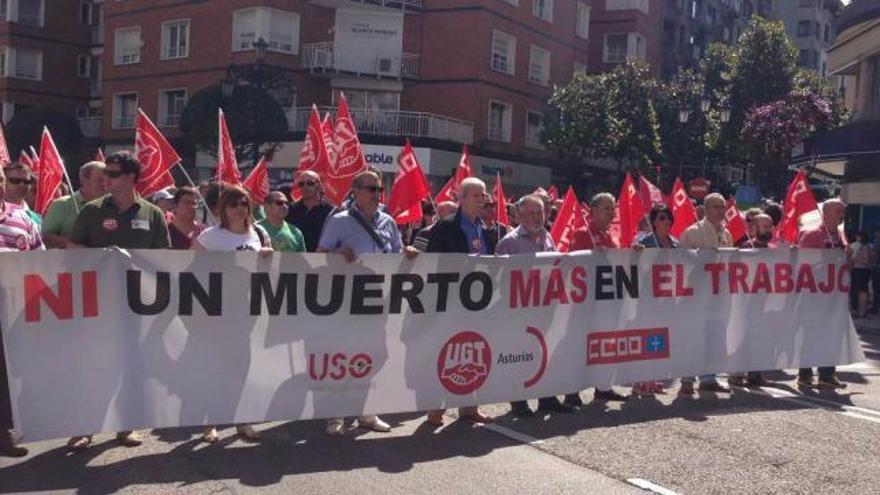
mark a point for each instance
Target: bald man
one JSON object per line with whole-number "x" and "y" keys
{"x": 309, "y": 213}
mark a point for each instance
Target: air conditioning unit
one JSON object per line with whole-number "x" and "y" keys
{"x": 385, "y": 65}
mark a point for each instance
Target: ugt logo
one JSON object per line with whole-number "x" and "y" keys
{"x": 464, "y": 363}
{"x": 339, "y": 365}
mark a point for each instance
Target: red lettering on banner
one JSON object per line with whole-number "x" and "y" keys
{"x": 736, "y": 278}
{"x": 782, "y": 277}
{"x": 762, "y": 279}
{"x": 715, "y": 270}
{"x": 681, "y": 290}
{"x": 524, "y": 292}
{"x": 555, "y": 289}
{"x": 661, "y": 278}
{"x": 36, "y": 291}
{"x": 841, "y": 279}
{"x": 805, "y": 279}
{"x": 829, "y": 284}
{"x": 579, "y": 281}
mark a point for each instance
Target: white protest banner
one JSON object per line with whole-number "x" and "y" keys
{"x": 104, "y": 340}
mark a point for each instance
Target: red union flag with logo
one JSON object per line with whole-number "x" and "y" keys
{"x": 735, "y": 223}
{"x": 500, "y": 202}
{"x": 798, "y": 200}
{"x": 409, "y": 189}
{"x": 51, "y": 168}
{"x": 257, "y": 183}
{"x": 329, "y": 134}
{"x": 313, "y": 155}
{"x": 682, "y": 209}
{"x": 156, "y": 155}
{"x": 650, "y": 194}
{"x": 569, "y": 219}
{"x": 462, "y": 172}
{"x": 5, "y": 158}
{"x": 227, "y": 166}
{"x": 350, "y": 159}
{"x": 631, "y": 211}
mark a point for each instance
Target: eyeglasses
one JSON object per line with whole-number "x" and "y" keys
{"x": 113, "y": 174}
{"x": 280, "y": 203}
{"x": 372, "y": 189}
{"x": 18, "y": 182}
{"x": 307, "y": 183}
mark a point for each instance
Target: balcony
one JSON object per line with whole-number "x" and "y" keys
{"x": 90, "y": 126}
{"x": 394, "y": 123}
{"x": 391, "y": 4}
{"x": 326, "y": 58}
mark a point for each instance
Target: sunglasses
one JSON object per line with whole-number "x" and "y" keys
{"x": 373, "y": 189}
{"x": 18, "y": 182}
{"x": 113, "y": 174}
{"x": 280, "y": 203}
{"x": 307, "y": 183}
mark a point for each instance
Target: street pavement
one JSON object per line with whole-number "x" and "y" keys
{"x": 762, "y": 441}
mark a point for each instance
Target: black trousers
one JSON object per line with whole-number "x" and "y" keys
{"x": 824, "y": 372}
{"x": 5, "y": 402}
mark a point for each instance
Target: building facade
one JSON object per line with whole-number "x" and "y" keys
{"x": 810, "y": 26}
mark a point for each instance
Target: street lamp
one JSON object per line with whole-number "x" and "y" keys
{"x": 725, "y": 115}
{"x": 705, "y": 103}
{"x": 683, "y": 116}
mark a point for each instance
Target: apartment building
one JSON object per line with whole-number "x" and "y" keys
{"x": 809, "y": 24}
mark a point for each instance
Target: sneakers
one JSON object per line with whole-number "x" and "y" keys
{"x": 374, "y": 423}
{"x": 736, "y": 381}
{"x": 574, "y": 400}
{"x": 714, "y": 387}
{"x": 830, "y": 382}
{"x": 758, "y": 380}
{"x": 609, "y": 394}
{"x": 210, "y": 435}
{"x": 805, "y": 382}
{"x": 335, "y": 427}
{"x": 9, "y": 447}
{"x": 129, "y": 438}
{"x": 247, "y": 433}
{"x": 79, "y": 443}
{"x": 521, "y": 409}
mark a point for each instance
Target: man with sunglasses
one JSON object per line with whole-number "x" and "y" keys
{"x": 125, "y": 220}
{"x": 285, "y": 237}
{"x": 309, "y": 213}
{"x": 19, "y": 181}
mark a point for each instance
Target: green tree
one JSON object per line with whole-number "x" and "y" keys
{"x": 684, "y": 144}
{"x": 632, "y": 90}
{"x": 26, "y": 129}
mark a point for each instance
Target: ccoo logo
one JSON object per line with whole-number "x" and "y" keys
{"x": 464, "y": 363}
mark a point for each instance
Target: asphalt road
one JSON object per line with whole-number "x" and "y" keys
{"x": 771, "y": 440}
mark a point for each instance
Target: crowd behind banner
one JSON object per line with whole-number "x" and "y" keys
{"x": 337, "y": 205}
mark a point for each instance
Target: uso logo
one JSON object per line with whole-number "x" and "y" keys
{"x": 627, "y": 345}
{"x": 339, "y": 366}
{"x": 464, "y": 363}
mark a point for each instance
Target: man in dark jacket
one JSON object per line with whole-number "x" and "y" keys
{"x": 463, "y": 233}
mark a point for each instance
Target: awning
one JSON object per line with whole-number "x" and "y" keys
{"x": 829, "y": 151}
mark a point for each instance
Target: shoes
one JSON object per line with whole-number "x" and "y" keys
{"x": 805, "y": 382}
{"x": 642, "y": 389}
{"x": 687, "y": 388}
{"x": 758, "y": 381}
{"x": 552, "y": 405}
{"x": 210, "y": 435}
{"x": 574, "y": 400}
{"x": 79, "y": 443}
{"x": 374, "y": 423}
{"x": 736, "y": 381}
{"x": 336, "y": 427}
{"x": 129, "y": 438}
{"x": 608, "y": 395}
{"x": 9, "y": 447}
{"x": 435, "y": 419}
{"x": 478, "y": 417}
{"x": 714, "y": 387}
{"x": 521, "y": 409}
{"x": 247, "y": 432}
{"x": 830, "y": 382}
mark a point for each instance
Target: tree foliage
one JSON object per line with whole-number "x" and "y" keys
{"x": 26, "y": 129}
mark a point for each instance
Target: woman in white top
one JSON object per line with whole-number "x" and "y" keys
{"x": 236, "y": 232}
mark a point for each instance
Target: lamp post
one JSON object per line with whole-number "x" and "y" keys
{"x": 705, "y": 106}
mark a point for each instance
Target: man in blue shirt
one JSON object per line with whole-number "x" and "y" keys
{"x": 359, "y": 230}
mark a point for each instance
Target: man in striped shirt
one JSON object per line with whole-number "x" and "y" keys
{"x": 17, "y": 233}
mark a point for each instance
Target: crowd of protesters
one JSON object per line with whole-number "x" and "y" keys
{"x": 107, "y": 212}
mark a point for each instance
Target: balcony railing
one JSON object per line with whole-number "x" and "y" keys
{"x": 395, "y": 123}
{"x": 90, "y": 126}
{"x": 327, "y": 58}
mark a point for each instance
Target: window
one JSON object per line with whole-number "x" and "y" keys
{"x": 499, "y": 121}
{"x": 539, "y": 66}
{"x": 175, "y": 39}
{"x": 641, "y": 5}
{"x": 534, "y": 127}
{"x": 809, "y": 59}
{"x": 171, "y": 103}
{"x": 582, "y": 25}
{"x": 30, "y": 12}
{"x": 83, "y": 66}
{"x": 615, "y": 48}
{"x": 803, "y": 29}
{"x": 21, "y": 63}
{"x": 512, "y": 2}
{"x": 695, "y": 6}
{"x": 503, "y": 52}
{"x": 279, "y": 28}
{"x": 543, "y": 9}
{"x": 124, "y": 110}
{"x": 85, "y": 12}
{"x": 127, "y": 46}
{"x": 636, "y": 46}
{"x": 817, "y": 31}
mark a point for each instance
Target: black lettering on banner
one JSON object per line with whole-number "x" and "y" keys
{"x": 442, "y": 280}
{"x": 190, "y": 288}
{"x": 398, "y": 293}
{"x": 261, "y": 287}
{"x": 465, "y": 292}
{"x": 337, "y": 286}
{"x": 135, "y": 302}
{"x": 631, "y": 281}
{"x": 360, "y": 292}
{"x": 604, "y": 282}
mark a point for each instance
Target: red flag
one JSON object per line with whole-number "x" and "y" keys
{"x": 682, "y": 209}
{"x": 462, "y": 172}
{"x": 99, "y": 156}
{"x": 736, "y": 225}
{"x": 798, "y": 200}
{"x": 500, "y": 203}
{"x": 25, "y": 159}
{"x": 227, "y": 166}
{"x": 569, "y": 219}
{"x": 409, "y": 189}
{"x": 156, "y": 155}
{"x": 5, "y": 158}
{"x": 350, "y": 159}
{"x": 329, "y": 134}
{"x": 51, "y": 168}
{"x": 553, "y": 192}
{"x": 650, "y": 194}
{"x": 631, "y": 211}
{"x": 257, "y": 182}
{"x": 313, "y": 155}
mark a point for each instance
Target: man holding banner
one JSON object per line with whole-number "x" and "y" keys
{"x": 62, "y": 212}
